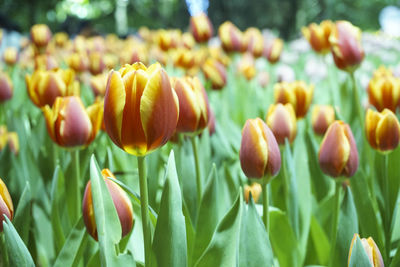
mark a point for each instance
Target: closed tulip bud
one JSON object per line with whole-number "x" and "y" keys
{"x": 273, "y": 49}
{"x": 188, "y": 40}
{"x": 121, "y": 202}
{"x": 6, "y": 87}
{"x": 370, "y": 248}
{"x": 79, "y": 62}
{"x": 61, "y": 39}
{"x": 259, "y": 152}
{"x": 98, "y": 84}
{"x": 193, "y": 103}
{"x": 40, "y": 35}
{"x": 140, "y": 108}
{"x": 69, "y": 124}
{"x": 231, "y": 37}
{"x": 201, "y": 27}
{"x": 254, "y": 41}
{"x": 217, "y": 53}
{"x": 45, "y": 62}
{"x": 382, "y": 130}
{"x": 297, "y": 93}
{"x": 318, "y": 36}
{"x": 45, "y": 86}
{"x": 322, "y": 117}
{"x": 281, "y": 119}
{"x": 215, "y": 72}
{"x": 6, "y": 205}
{"x": 96, "y": 63}
{"x": 346, "y": 48}
{"x": 184, "y": 58}
{"x": 255, "y": 189}
{"x": 384, "y": 92}
{"x": 338, "y": 154}
{"x": 167, "y": 39}
{"x": 247, "y": 67}
{"x": 10, "y": 55}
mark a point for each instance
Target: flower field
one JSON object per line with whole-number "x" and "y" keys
{"x": 210, "y": 147}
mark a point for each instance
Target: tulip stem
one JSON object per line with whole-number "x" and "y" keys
{"x": 74, "y": 186}
{"x": 198, "y": 173}
{"x": 335, "y": 221}
{"x": 265, "y": 205}
{"x": 385, "y": 189}
{"x": 144, "y": 204}
{"x": 357, "y": 100}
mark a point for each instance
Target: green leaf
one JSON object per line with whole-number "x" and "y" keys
{"x": 22, "y": 218}
{"x": 396, "y": 259}
{"x": 359, "y": 257}
{"x": 283, "y": 240}
{"x": 169, "y": 242}
{"x": 18, "y": 254}
{"x": 73, "y": 246}
{"x": 321, "y": 241}
{"x": 59, "y": 237}
{"x": 222, "y": 250}
{"x": 254, "y": 247}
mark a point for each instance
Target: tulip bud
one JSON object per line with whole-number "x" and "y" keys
{"x": 79, "y": 62}
{"x": 98, "y": 84}
{"x": 231, "y": 37}
{"x": 255, "y": 190}
{"x": 254, "y": 41}
{"x": 281, "y": 119}
{"x": 13, "y": 142}
{"x": 384, "y": 92}
{"x": 140, "y": 108}
{"x": 346, "y": 48}
{"x": 184, "y": 58}
{"x": 96, "y": 63}
{"x": 370, "y": 248}
{"x": 259, "y": 152}
{"x": 45, "y": 62}
{"x": 247, "y": 66}
{"x": 318, "y": 35}
{"x": 10, "y": 55}
{"x": 382, "y": 130}
{"x": 338, "y": 153}
{"x": 40, "y": 35}
{"x": 45, "y": 86}
{"x": 61, "y": 39}
{"x": 168, "y": 39}
{"x": 69, "y": 124}
{"x": 6, "y": 205}
{"x": 193, "y": 105}
{"x": 121, "y": 202}
{"x": 6, "y": 87}
{"x": 188, "y": 40}
{"x": 273, "y": 49}
{"x": 215, "y": 72}
{"x": 201, "y": 27}
{"x": 297, "y": 93}
{"x": 321, "y": 117}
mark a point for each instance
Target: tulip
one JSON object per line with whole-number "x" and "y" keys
{"x": 6, "y": 205}
{"x": 217, "y": 53}
{"x": 79, "y": 62}
{"x": 384, "y": 91}
{"x": 40, "y": 35}
{"x": 231, "y": 37}
{"x": 45, "y": 86}
{"x": 184, "y": 58}
{"x": 10, "y": 55}
{"x": 98, "y": 84}
{"x": 318, "y": 36}
{"x": 297, "y": 93}
{"x": 321, "y": 117}
{"x": 201, "y": 27}
{"x": 188, "y": 40}
{"x": 211, "y": 122}
{"x": 140, "y": 108}
{"x": 193, "y": 105}
{"x": 346, "y": 48}
{"x": 13, "y": 142}
{"x": 259, "y": 152}
{"x": 382, "y": 130}
{"x": 45, "y": 62}
{"x": 254, "y": 41}
{"x": 263, "y": 79}
{"x": 281, "y": 119}
{"x": 121, "y": 202}
{"x": 96, "y": 63}
{"x": 6, "y": 87}
{"x": 247, "y": 67}
{"x": 69, "y": 124}
{"x": 168, "y": 39}
{"x": 370, "y": 248}
{"x": 255, "y": 190}
{"x": 61, "y": 39}
{"x": 273, "y": 49}
{"x": 338, "y": 154}
{"x": 215, "y": 72}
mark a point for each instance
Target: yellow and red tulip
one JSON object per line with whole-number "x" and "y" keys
{"x": 96, "y": 63}
{"x": 370, "y": 248}
{"x": 338, "y": 155}
{"x": 382, "y": 130}
{"x": 247, "y": 66}
{"x": 318, "y": 36}
{"x": 231, "y": 37}
{"x": 121, "y": 202}
{"x": 10, "y": 55}
{"x": 61, "y": 39}
{"x": 98, "y": 84}
{"x": 346, "y": 47}
{"x": 78, "y": 61}
{"x": 322, "y": 117}
{"x": 255, "y": 189}
{"x": 45, "y": 62}
{"x": 6, "y": 205}
{"x": 201, "y": 27}
{"x": 6, "y": 87}
{"x": 384, "y": 91}
{"x": 215, "y": 72}
{"x": 184, "y": 58}
{"x": 254, "y": 41}
{"x": 281, "y": 119}
{"x": 141, "y": 109}
{"x": 40, "y": 35}
{"x": 259, "y": 152}
{"x": 273, "y": 49}
{"x": 69, "y": 124}
{"x": 45, "y": 86}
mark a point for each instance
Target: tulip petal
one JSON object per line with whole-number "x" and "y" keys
{"x": 95, "y": 113}
{"x": 352, "y": 162}
{"x": 387, "y": 131}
